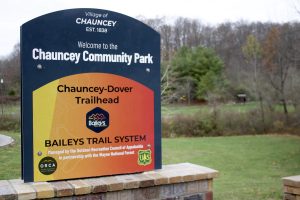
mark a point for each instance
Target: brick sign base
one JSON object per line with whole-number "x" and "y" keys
{"x": 179, "y": 181}
{"x": 291, "y": 188}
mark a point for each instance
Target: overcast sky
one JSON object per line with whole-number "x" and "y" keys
{"x": 13, "y": 13}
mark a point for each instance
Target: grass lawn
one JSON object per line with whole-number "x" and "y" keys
{"x": 175, "y": 109}
{"x": 251, "y": 167}
{"x": 10, "y": 157}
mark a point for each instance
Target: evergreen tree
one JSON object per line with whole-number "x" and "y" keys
{"x": 199, "y": 70}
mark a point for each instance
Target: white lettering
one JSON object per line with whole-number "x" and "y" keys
{"x": 96, "y": 22}
{"x": 114, "y": 58}
{"x": 39, "y": 54}
{"x": 143, "y": 59}
{"x": 33, "y": 54}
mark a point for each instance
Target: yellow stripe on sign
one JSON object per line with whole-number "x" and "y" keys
{"x": 44, "y": 100}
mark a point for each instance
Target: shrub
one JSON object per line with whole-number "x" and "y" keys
{"x": 10, "y": 123}
{"x": 221, "y": 122}
{"x": 190, "y": 126}
{"x": 12, "y": 92}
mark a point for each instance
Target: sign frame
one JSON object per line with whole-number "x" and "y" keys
{"x": 138, "y": 48}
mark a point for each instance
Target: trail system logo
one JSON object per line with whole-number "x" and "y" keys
{"x": 144, "y": 157}
{"x": 47, "y": 165}
{"x": 97, "y": 120}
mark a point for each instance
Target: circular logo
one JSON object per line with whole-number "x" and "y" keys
{"x": 47, "y": 165}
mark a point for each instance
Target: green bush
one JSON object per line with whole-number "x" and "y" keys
{"x": 12, "y": 92}
{"x": 190, "y": 126}
{"x": 226, "y": 122}
{"x": 9, "y": 123}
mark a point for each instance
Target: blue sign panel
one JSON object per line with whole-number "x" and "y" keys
{"x": 90, "y": 95}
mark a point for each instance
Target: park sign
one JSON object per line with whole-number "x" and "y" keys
{"x": 90, "y": 95}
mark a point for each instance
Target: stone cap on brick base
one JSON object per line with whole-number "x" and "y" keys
{"x": 292, "y": 181}
{"x": 169, "y": 174}
{"x": 291, "y": 188}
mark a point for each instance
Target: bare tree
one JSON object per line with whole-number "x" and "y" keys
{"x": 10, "y": 72}
{"x": 252, "y": 53}
{"x": 277, "y": 63}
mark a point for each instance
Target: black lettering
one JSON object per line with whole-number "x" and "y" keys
{"x": 130, "y": 138}
{"x": 47, "y": 143}
{"x": 89, "y": 140}
{"x": 54, "y": 143}
{"x": 81, "y": 141}
{"x": 110, "y": 88}
{"x": 58, "y": 88}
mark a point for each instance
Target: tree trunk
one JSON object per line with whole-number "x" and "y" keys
{"x": 285, "y": 110}
{"x": 262, "y": 112}
{"x": 283, "y": 100}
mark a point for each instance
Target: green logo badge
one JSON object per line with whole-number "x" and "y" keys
{"x": 47, "y": 165}
{"x": 144, "y": 157}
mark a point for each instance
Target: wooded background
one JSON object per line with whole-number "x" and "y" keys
{"x": 215, "y": 65}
